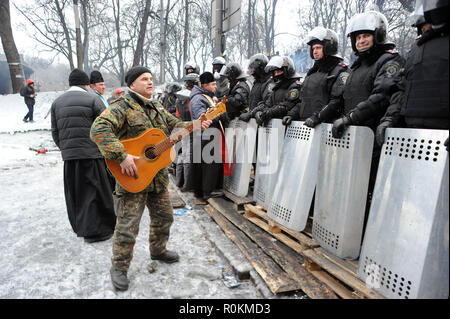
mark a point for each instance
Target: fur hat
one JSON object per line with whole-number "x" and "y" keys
{"x": 78, "y": 77}
{"x": 134, "y": 73}
{"x": 96, "y": 77}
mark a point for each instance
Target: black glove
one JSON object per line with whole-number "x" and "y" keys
{"x": 312, "y": 121}
{"x": 340, "y": 125}
{"x": 381, "y": 130}
{"x": 258, "y": 118}
{"x": 446, "y": 144}
{"x": 287, "y": 120}
{"x": 245, "y": 116}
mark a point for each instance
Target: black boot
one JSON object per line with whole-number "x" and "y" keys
{"x": 167, "y": 257}
{"x": 119, "y": 279}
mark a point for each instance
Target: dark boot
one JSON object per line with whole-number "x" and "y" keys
{"x": 94, "y": 239}
{"x": 119, "y": 279}
{"x": 167, "y": 257}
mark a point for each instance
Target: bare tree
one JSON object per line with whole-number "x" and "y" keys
{"x": 140, "y": 43}
{"x": 9, "y": 47}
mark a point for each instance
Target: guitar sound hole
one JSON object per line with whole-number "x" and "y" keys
{"x": 150, "y": 153}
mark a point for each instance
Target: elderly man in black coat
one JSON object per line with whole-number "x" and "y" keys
{"x": 88, "y": 187}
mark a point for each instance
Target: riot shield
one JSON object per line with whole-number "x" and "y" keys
{"x": 241, "y": 142}
{"x": 270, "y": 142}
{"x": 296, "y": 177}
{"x": 405, "y": 248}
{"x": 341, "y": 191}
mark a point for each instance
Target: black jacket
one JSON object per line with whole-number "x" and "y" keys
{"x": 423, "y": 98}
{"x": 72, "y": 115}
{"x": 26, "y": 91}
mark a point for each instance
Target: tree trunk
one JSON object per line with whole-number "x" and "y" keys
{"x": 142, "y": 30}
{"x": 186, "y": 32}
{"x": 9, "y": 46}
{"x": 66, "y": 34}
{"x": 116, "y": 8}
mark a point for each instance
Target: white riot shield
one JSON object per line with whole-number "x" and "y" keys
{"x": 241, "y": 142}
{"x": 296, "y": 177}
{"x": 405, "y": 248}
{"x": 341, "y": 191}
{"x": 270, "y": 142}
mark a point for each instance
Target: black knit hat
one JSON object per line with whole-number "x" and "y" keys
{"x": 78, "y": 77}
{"x": 206, "y": 77}
{"x": 134, "y": 73}
{"x": 96, "y": 77}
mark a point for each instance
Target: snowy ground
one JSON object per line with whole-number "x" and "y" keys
{"x": 41, "y": 257}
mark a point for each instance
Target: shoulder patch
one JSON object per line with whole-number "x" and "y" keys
{"x": 392, "y": 69}
{"x": 343, "y": 76}
{"x": 293, "y": 94}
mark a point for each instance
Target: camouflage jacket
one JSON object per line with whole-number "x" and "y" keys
{"x": 126, "y": 118}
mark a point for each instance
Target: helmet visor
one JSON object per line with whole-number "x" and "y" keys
{"x": 275, "y": 63}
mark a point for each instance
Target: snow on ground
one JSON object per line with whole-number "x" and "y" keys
{"x": 43, "y": 258}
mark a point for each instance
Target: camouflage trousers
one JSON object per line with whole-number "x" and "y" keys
{"x": 129, "y": 208}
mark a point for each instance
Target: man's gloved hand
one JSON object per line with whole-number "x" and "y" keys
{"x": 245, "y": 116}
{"x": 340, "y": 125}
{"x": 446, "y": 144}
{"x": 287, "y": 120}
{"x": 312, "y": 121}
{"x": 381, "y": 130}
{"x": 259, "y": 119}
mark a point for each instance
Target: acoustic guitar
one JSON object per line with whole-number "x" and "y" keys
{"x": 155, "y": 151}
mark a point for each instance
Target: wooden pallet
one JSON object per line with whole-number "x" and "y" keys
{"x": 239, "y": 202}
{"x": 289, "y": 260}
{"x": 338, "y": 274}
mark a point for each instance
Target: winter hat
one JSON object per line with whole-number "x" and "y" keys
{"x": 78, "y": 77}
{"x": 134, "y": 73}
{"x": 207, "y": 77}
{"x": 29, "y": 81}
{"x": 96, "y": 77}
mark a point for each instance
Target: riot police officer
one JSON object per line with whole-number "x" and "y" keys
{"x": 324, "y": 82}
{"x": 221, "y": 81}
{"x": 262, "y": 83}
{"x": 170, "y": 98}
{"x": 240, "y": 86}
{"x": 422, "y": 101}
{"x": 285, "y": 93}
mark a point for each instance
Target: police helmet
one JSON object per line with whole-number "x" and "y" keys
{"x": 232, "y": 71}
{"x": 328, "y": 38}
{"x": 191, "y": 67}
{"x": 173, "y": 87}
{"x": 257, "y": 63}
{"x": 191, "y": 79}
{"x": 436, "y": 12}
{"x": 284, "y": 63}
{"x": 372, "y": 22}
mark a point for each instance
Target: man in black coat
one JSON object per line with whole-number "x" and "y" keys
{"x": 29, "y": 96}
{"x": 87, "y": 186}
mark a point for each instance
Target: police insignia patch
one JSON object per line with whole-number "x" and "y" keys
{"x": 293, "y": 95}
{"x": 392, "y": 69}
{"x": 344, "y": 76}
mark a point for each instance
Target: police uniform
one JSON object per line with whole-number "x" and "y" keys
{"x": 127, "y": 118}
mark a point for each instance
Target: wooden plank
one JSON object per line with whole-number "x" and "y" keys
{"x": 340, "y": 274}
{"x": 307, "y": 241}
{"x": 338, "y": 288}
{"x": 342, "y": 263}
{"x": 239, "y": 202}
{"x": 283, "y": 255}
{"x": 276, "y": 279}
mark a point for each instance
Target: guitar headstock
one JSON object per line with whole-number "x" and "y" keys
{"x": 217, "y": 110}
